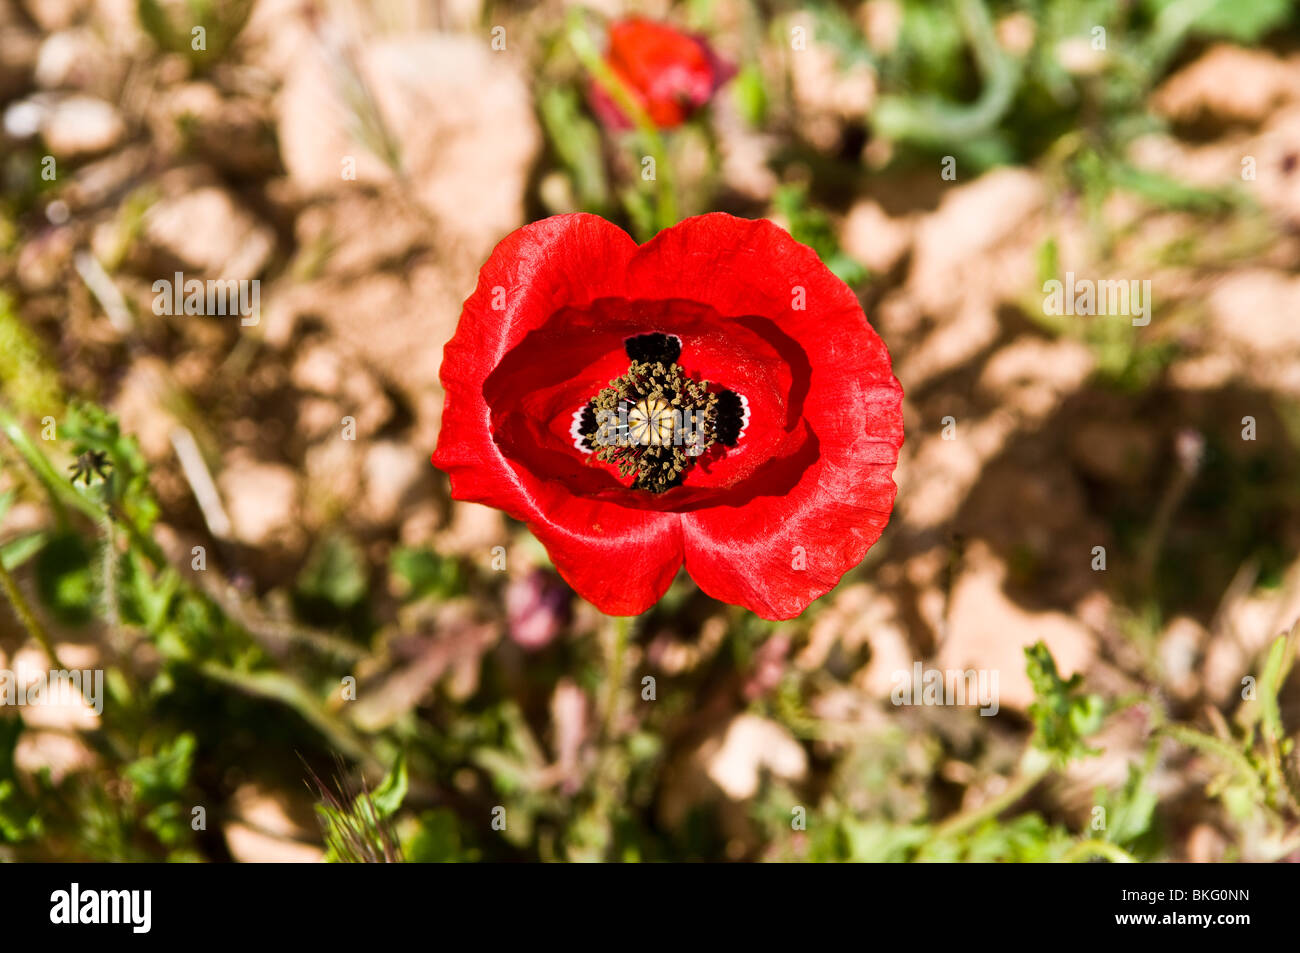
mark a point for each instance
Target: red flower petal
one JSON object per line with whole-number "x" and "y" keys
{"x": 827, "y": 522}
{"x": 773, "y": 522}
{"x": 619, "y": 559}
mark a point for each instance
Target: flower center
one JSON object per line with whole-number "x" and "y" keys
{"x": 651, "y": 422}
{"x": 654, "y": 421}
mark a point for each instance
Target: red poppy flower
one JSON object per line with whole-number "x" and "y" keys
{"x": 671, "y": 74}
{"x": 714, "y": 397}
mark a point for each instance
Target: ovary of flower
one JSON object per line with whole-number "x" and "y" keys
{"x": 652, "y": 423}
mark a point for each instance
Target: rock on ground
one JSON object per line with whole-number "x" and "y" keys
{"x": 457, "y": 117}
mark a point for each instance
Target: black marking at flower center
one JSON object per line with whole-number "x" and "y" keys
{"x": 731, "y": 417}
{"x": 654, "y": 421}
{"x": 653, "y": 348}
{"x": 584, "y": 428}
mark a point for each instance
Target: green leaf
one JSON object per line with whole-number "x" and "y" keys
{"x": 17, "y": 551}
{"x": 1049, "y": 260}
{"x": 1131, "y": 810}
{"x": 1270, "y": 683}
{"x": 356, "y": 823}
{"x": 750, "y": 95}
{"x": 1024, "y": 839}
{"x": 151, "y": 596}
{"x": 388, "y": 797}
{"x": 437, "y": 841}
{"x": 576, "y": 142}
{"x": 159, "y": 778}
{"x": 335, "y": 573}
{"x": 879, "y": 842}
{"x": 422, "y": 572}
{"x": 1244, "y": 21}
{"x": 18, "y": 821}
{"x": 1062, "y": 715}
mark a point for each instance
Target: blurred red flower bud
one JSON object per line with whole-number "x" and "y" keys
{"x": 671, "y": 74}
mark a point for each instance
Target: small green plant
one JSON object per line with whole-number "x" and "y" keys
{"x": 357, "y": 823}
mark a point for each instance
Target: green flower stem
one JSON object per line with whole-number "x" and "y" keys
{"x": 609, "y": 776}
{"x": 594, "y": 63}
{"x": 619, "y": 637}
{"x": 108, "y": 580}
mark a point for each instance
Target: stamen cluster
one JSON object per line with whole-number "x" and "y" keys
{"x": 651, "y": 423}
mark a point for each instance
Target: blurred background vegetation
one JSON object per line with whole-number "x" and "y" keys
{"x": 311, "y": 653}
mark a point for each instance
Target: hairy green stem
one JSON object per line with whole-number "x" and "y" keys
{"x": 1211, "y": 745}
{"x": 112, "y": 612}
{"x": 617, "y": 657}
{"x": 1034, "y": 766}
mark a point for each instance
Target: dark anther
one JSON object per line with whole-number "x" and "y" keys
{"x": 654, "y": 348}
{"x": 730, "y": 418}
